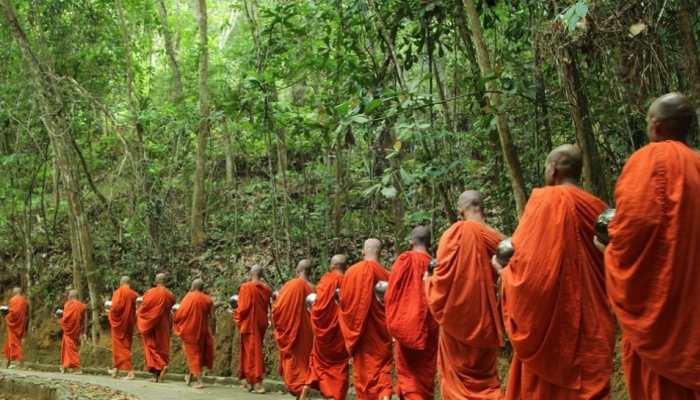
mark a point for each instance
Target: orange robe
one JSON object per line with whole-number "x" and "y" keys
{"x": 363, "y": 324}
{"x": 16, "y": 321}
{"x": 555, "y": 307}
{"x": 412, "y": 326}
{"x": 462, "y": 297}
{"x": 293, "y": 333}
{"x": 328, "y": 366}
{"x": 122, "y": 317}
{"x": 72, "y": 325}
{"x": 191, "y": 323}
{"x": 653, "y": 271}
{"x": 252, "y": 321}
{"x": 153, "y": 319}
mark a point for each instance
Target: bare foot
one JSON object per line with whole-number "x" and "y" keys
{"x": 259, "y": 388}
{"x": 78, "y": 372}
{"x": 162, "y": 373}
{"x": 188, "y": 379}
{"x": 113, "y": 372}
{"x": 63, "y": 370}
{"x": 153, "y": 380}
{"x": 129, "y": 377}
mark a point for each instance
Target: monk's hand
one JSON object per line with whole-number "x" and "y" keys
{"x": 599, "y": 245}
{"x": 496, "y": 265}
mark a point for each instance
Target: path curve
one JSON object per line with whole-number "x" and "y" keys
{"x": 144, "y": 390}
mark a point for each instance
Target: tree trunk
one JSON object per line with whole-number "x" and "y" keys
{"x": 690, "y": 53}
{"x": 593, "y": 175}
{"x": 542, "y": 109}
{"x": 50, "y": 100}
{"x": 228, "y": 151}
{"x": 198, "y": 195}
{"x": 509, "y": 154}
{"x": 170, "y": 51}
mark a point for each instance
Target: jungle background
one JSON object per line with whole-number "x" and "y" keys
{"x": 199, "y": 137}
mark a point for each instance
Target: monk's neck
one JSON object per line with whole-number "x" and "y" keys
{"x": 420, "y": 249}
{"x": 568, "y": 183}
{"x": 372, "y": 259}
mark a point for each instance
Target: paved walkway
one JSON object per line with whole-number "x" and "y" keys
{"x": 144, "y": 390}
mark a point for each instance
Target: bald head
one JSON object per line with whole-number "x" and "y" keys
{"x": 371, "y": 249}
{"x": 16, "y": 291}
{"x": 671, "y": 117}
{"x": 564, "y": 165}
{"x": 339, "y": 262}
{"x": 256, "y": 271}
{"x": 197, "y": 285}
{"x": 72, "y": 294}
{"x": 420, "y": 237}
{"x": 161, "y": 278}
{"x": 124, "y": 280}
{"x": 304, "y": 267}
{"x": 470, "y": 205}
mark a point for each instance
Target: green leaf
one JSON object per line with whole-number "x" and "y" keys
{"x": 572, "y": 15}
{"x": 389, "y": 192}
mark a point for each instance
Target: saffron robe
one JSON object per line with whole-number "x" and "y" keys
{"x": 191, "y": 323}
{"x": 72, "y": 324}
{"x": 154, "y": 323}
{"x": 16, "y": 321}
{"x": 251, "y": 317}
{"x": 412, "y": 326}
{"x": 122, "y": 317}
{"x": 293, "y": 333}
{"x": 462, "y": 297}
{"x": 555, "y": 307}
{"x": 328, "y": 366}
{"x": 653, "y": 269}
{"x": 363, "y": 324}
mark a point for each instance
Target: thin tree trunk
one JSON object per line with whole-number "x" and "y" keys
{"x": 690, "y": 52}
{"x": 509, "y": 154}
{"x": 542, "y": 109}
{"x": 198, "y": 196}
{"x": 228, "y": 152}
{"x": 593, "y": 175}
{"x": 170, "y": 51}
{"x": 50, "y": 99}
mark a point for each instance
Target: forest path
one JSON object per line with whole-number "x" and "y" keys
{"x": 143, "y": 390}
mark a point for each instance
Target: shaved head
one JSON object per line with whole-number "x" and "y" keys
{"x": 72, "y": 294}
{"x": 161, "y": 278}
{"x": 372, "y": 248}
{"x": 671, "y": 116}
{"x": 256, "y": 271}
{"x": 125, "y": 280}
{"x": 17, "y": 290}
{"x": 470, "y": 205}
{"x": 339, "y": 262}
{"x": 563, "y": 164}
{"x": 304, "y": 267}
{"x": 420, "y": 236}
{"x": 197, "y": 285}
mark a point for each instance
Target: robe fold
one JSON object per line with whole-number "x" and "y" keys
{"x": 555, "y": 307}
{"x": 72, "y": 326}
{"x": 293, "y": 333}
{"x": 16, "y": 321}
{"x": 461, "y": 295}
{"x": 653, "y": 270}
{"x": 328, "y": 366}
{"x": 363, "y": 324}
{"x": 252, "y": 321}
{"x": 191, "y": 323}
{"x": 122, "y": 317}
{"x": 412, "y": 326}
{"x": 153, "y": 319}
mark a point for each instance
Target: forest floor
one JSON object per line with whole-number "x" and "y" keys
{"x": 95, "y": 387}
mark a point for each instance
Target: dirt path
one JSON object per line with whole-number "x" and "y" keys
{"x": 144, "y": 390}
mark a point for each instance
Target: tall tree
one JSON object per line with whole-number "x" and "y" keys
{"x": 170, "y": 50}
{"x": 198, "y": 194}
{"x": 507, "y": 147}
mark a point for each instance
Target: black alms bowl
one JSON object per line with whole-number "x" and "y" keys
{"x": 505, "y": 251}
{"x": 601, "y": 225}
{"x": 233, "y": 301}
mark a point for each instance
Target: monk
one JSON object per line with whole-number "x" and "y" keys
{"x": 555, "y": 307}
{"x": 73, "y": 324}
{"x": 653, "y": 259}
{"x": 251, "y": 317}
{"x": 328, "y": 366}
{"x": 293, "y": 331}
{"x": 122, "y": 317}
{"x": 154, "y": 323}
{"x": 363, "y": 324}
{"x": 410, "y": 323}
{"x": 192, "y": 321}
{"x": 462, "y": 297}
{"x": 16, "y": 320}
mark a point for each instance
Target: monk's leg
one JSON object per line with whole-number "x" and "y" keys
{"x": 194, "y": 362}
